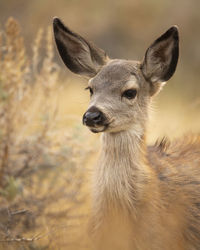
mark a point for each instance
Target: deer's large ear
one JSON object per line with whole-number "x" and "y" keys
{"x": 79, "y": 55}
{"x": 161, "y": 58}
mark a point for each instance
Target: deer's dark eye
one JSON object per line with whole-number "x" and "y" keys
{"x": 130, "y": 93}
{"x": 90, "y": 89}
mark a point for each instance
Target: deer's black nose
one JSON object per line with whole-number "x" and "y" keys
{"x": 93, "y": 117}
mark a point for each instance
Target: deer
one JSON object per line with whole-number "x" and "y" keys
{"x": 143, "y": 197}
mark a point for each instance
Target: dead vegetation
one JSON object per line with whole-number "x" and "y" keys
{"x": 41, "y": 171}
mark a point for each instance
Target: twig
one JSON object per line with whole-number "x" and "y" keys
{"x": 34, "y": 238}
{"x": 19, "y": 212}
{"x": 4, "y": 163}
{"x": 37, "y": 236}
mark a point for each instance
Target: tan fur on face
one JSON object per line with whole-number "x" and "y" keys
{"x": 108, "y": 86}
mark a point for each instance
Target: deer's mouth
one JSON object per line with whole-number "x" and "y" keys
{"x": 99, "y": 129}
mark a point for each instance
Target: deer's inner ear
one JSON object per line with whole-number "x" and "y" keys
{"x": 161, "y": 57}
{"x": 79, "y": 55}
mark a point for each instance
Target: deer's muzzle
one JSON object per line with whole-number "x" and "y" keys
{"x": 93, "y": 117}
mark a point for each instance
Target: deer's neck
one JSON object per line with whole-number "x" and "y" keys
{"x": 122, "y": 174}
{"x": 122, "y": 190}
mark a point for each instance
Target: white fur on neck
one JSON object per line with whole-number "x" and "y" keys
{"x": 119, "y": 171}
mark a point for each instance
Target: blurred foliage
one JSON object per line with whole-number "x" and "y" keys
{"x": 41, "y": 171}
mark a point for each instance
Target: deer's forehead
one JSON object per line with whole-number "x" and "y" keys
{"x": 115, "y": 73}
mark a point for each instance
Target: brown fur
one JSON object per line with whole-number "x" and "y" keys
{"x": 158, "y": 205}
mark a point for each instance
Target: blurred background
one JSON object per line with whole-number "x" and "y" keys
{"x": 46, "y": 154}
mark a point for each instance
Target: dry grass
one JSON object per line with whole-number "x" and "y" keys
{"x": 42, "y": 174}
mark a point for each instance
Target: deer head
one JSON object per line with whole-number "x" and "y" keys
{"x": 120, "y": 90}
